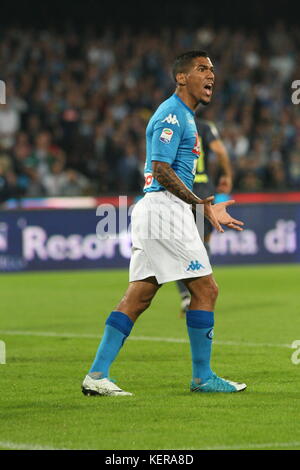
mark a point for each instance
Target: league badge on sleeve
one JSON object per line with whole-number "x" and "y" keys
{"x": 166, "y": 136}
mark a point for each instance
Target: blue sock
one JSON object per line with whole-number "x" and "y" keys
{"x": 117, "y": 327}
{"x": 200, "y": 328}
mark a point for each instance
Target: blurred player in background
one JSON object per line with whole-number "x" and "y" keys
{"x": 172, "y": 151}
{"x": 210, "y": 142}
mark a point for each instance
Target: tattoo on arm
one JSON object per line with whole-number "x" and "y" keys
{"x": 167, "y": 177}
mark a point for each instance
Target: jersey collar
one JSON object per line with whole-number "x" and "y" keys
{"x": 182, "y": 102}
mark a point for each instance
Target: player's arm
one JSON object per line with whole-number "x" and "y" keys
{"x": 225, "y": 181}
{"x": 166, "y": 176}
{"x": 165, "y": 142}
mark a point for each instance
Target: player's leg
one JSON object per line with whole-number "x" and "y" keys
{"x": 200, "y": 323}
{"x": 117, "y": 328}
{"x": 202, "y": 190}
{"x": 138, "y": 297}
{"x": 181, "y": 286}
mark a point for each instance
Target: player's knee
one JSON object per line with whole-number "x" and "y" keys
{"x": 208, "y": 290}
{"x": 135, "y": 306}
{"x": 214, "y": 290}
{"x": 142, "y": 305}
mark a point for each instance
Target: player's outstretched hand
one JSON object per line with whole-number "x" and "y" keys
{"x": 210, "y": 214}
{"x": 224, "y": 217}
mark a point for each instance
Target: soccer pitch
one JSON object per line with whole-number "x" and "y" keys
{"x": 51, "y": 324}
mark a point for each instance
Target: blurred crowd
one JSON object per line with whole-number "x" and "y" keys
{"x": 78, "y": 104}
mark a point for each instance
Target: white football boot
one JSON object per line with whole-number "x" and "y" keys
{"x": 103, "y": 387}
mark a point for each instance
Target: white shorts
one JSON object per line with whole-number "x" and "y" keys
{"x": 165, "y": 240}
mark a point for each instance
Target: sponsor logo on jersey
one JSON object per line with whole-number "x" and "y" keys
{"x": 197, "y": 146}
{"x": 166, "y": 136}
{"x": 171, "y": 119}
{"x": 148, "y": 180}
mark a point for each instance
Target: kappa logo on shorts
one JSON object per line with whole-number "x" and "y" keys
{"x": 194, "y": 266}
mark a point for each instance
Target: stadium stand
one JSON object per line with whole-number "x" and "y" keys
{"x": 78, "y": 103}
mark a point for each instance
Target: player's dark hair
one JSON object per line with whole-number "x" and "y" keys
{"x": 183, "y": 62}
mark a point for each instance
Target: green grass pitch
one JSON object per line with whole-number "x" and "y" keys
{"x": 51, "y": 324}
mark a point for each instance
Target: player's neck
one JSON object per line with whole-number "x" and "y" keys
{"x": 189, "y": 100}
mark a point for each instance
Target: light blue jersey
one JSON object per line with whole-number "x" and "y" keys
{"x": 172, "y": 137}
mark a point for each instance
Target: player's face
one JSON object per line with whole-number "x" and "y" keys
{"x": 200, "y": 80}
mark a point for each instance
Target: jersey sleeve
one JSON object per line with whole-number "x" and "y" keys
{"x": 167, "y": 133}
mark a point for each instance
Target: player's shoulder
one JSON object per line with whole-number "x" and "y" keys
{"x": 169, "y": 112}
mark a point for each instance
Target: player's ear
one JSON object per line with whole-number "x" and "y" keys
{"x": 181, "y": 79}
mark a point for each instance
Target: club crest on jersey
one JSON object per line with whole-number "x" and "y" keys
{"x": 171, "y": 119}
{"x": 166, "y": 136}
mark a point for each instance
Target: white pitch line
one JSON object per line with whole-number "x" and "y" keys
{"x": 52, "y": 334}
{"x": 249, "y": 446}
{"x": 221, "y": 343}
{"x": 19, "y": 446}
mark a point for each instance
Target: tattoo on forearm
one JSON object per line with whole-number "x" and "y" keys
{"x": 167, "y": 177}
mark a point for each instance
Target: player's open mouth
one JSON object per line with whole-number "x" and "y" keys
{"x": 208, "y": 89}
